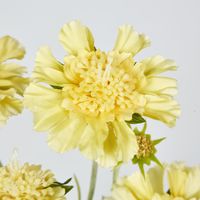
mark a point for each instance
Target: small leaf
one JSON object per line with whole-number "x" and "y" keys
{"x": 62, "y": 185}
{"x": 155, "y": 142}
{"x": 56, "y": 87}
{"x": 134, "y": 160}
{"x": 154, "y": 159}
{"x": 141, "y": 166}
{"x": 136, "y": 119}
{"x": 68, "y": 188}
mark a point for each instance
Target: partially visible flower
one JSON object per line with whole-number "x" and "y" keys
{"x": 12, "y": 83}
{"x": 28, "y": 182}
{"x": 85, "y": 102}
{"x": 183, "y": 184}
{"x": 146, "y": 149}
{"x": 184, "y": 181}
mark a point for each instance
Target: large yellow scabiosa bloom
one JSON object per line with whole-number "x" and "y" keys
{"x": 183, "y": 184}
{"x": 12, "y": 83}
{"x": 28, "y": 182}
{"x": 85, "y": 102}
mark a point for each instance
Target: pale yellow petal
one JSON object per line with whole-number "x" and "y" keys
{"x": 140, "y": 186}
{"x": 162, "y": 86}
{"x": 10, "y": 48}
{"x": 177, "y": 177}
{"x": 184, "y": 181}
{"x": 9, "y": 106}
{"x": 110, "y": 156}
{"x": 129, "y": 41}
{"x": 192, "y": 185}
{"x": 11, "y": 77}
{"x": 45, "y": 103}
{"x": 66, "y": 134}
{"x": 38, "y": 97}
{"x": 7, "y": 93}
{"x": 93, "y": 138}
{"x": 76, "y": 37}
{"x": 126, "y": 140}
{"x": 48, "y": 69}
{"x": 162, "y": 109}
{"x": 156, "y": 176}
{"x": 120, "y": 193}
{"x": 8, "y": 70}
{"x": 120, "y": 145}
{"x": 157, "y": 64}
{"x": 164, "y": 197}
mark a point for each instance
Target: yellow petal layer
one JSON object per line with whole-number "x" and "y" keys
{"x": 121, "y": 193}
{"x": 129, "y": 41}
{"x": 48, "y": 69}
{"x": 120, "y": 144}
{"x": 163, "y": 109}
{"x": 184, "y": 181}
{"x": 9, "y": 106}
{"x": 76, "y": 37}
{"x": 157, "y": 64}
{"x": 45, "y": 105}
{"x": 10, "y": 49}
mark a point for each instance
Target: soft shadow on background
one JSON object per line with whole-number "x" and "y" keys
{"x": 174, "y": 29}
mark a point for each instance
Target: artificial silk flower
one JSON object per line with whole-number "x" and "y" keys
{"x": 29, "y": 182}
{"x": 12, "y": 84}
{"x": 85, "y": 102}
{"x": 183, "y": 184}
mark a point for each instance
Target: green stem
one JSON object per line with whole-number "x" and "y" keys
{"x": 115, "y": 174}
{"x": 78, "y": 187}
{"x": 93, "y": 179}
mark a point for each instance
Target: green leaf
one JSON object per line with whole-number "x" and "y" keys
{"x": 67, "y": 188}
{"x": 155, "y": 159}
{"x": 141, "y": 166}
{"x": 136, "y": 119}
{"x": 56, "y": 87}
{"x": 155, "y": 142}
{"x": 1, "y": 165}
{"x": 134, "y": 160}
{"x": 62, "y": 185}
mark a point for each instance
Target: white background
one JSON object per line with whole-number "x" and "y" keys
{"x": 174, "y": 29}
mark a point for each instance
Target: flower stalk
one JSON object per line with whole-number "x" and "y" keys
{"x": 115, "y": 174}
{"x": 78, "y": 187}
{"x": 93, "y": 180}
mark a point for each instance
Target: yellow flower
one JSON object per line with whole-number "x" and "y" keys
{"x": 184, "y": 181}
{"x": 85, "y": 102}
{"x": 28, "y": 182}
{"x": 12, "y": 83}
{"x": 183, "y": 184}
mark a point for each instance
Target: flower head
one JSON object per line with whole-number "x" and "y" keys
{"x": 28, "y": 182}
{"x": 85, "y": 102}
{"x": 146, "y": 149}
{"x": 183, "y": 184}
{"x": 12, "y": 83}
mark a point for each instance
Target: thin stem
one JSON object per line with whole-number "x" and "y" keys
{"x": 78, "y": 187}
{"x": 93, "y": 179}
{"x": 115, "y": 174}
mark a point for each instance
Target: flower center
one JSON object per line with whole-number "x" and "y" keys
{"x": 145, "y": 146}
{"x": 103, "y": 85}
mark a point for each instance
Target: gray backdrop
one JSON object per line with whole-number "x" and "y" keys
{"x": 172, "y": 25}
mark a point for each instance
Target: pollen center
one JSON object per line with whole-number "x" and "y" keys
{"x": 104, "y": 84}
{"x": 145, "y": 146}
